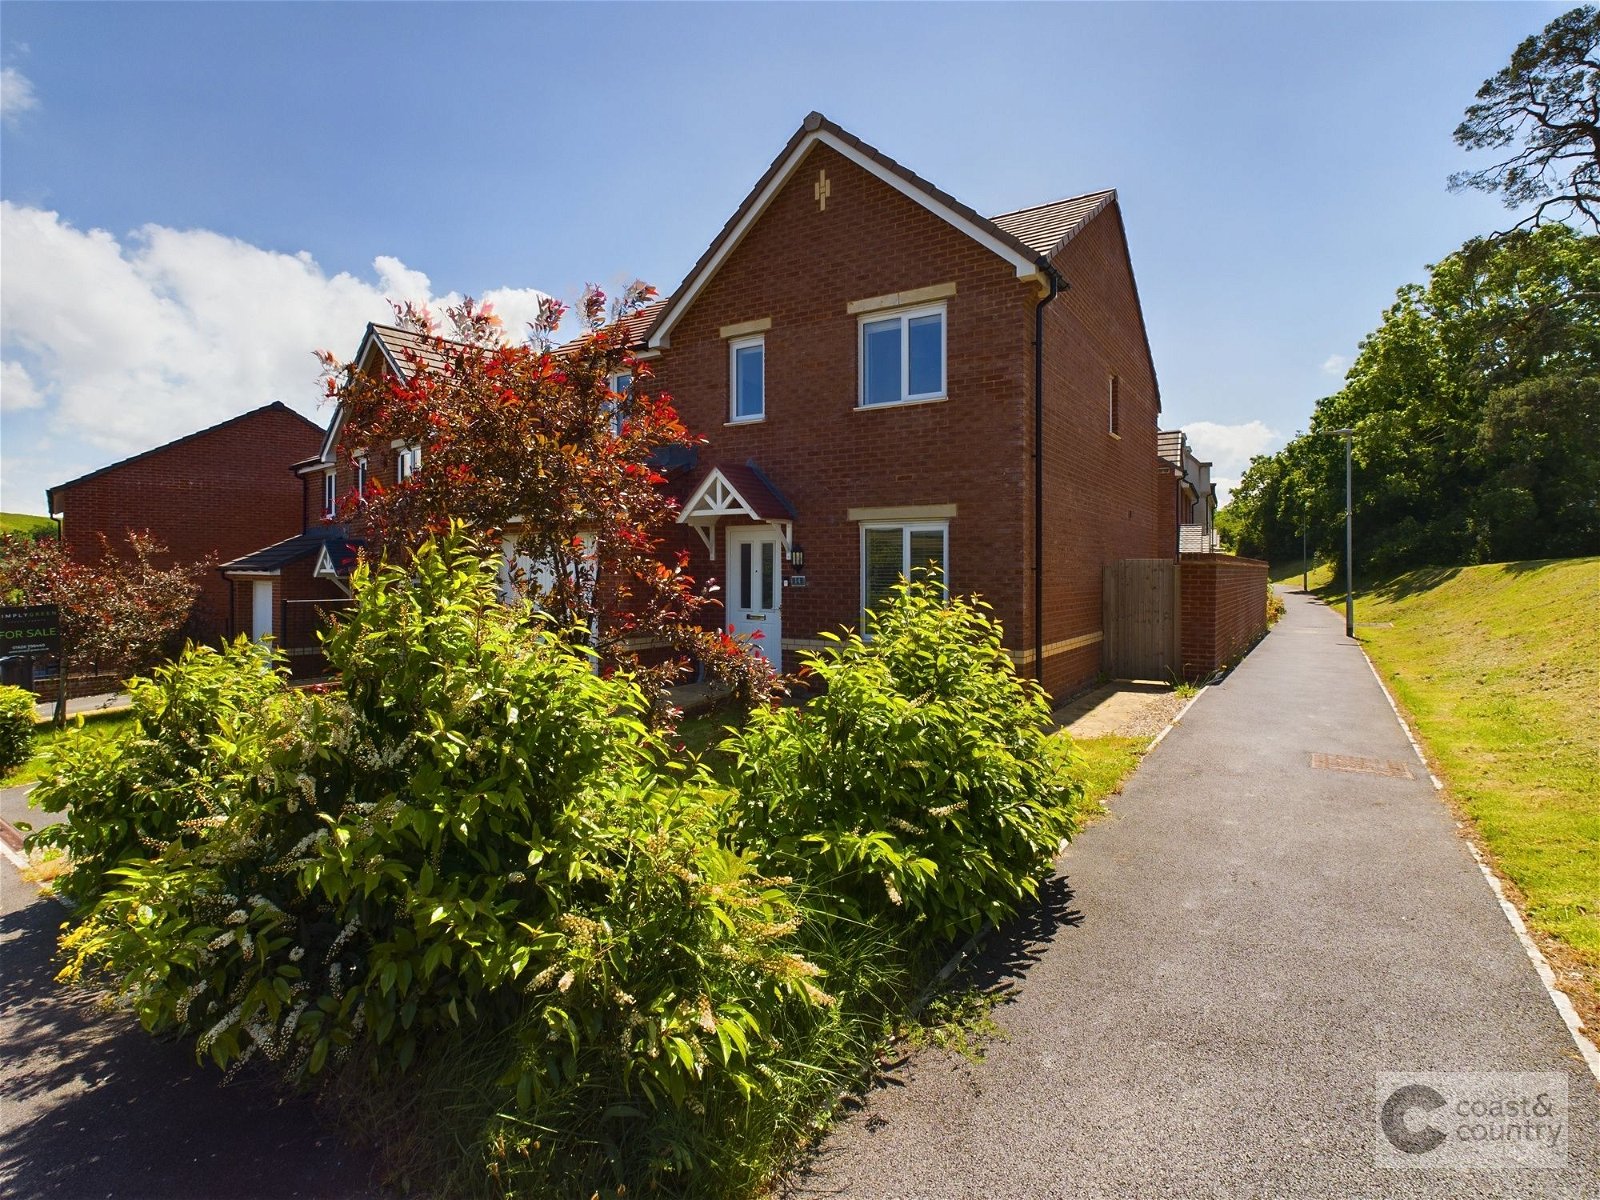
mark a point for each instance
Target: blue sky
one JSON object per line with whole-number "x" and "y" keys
{"x": 196, "y": 196}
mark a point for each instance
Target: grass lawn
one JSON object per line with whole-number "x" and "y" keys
{"x": 25, "y": 523}
{"x": 95, "y": 725}
{"x": 1499, "y": 667}
{"x": 1108, "y": 761}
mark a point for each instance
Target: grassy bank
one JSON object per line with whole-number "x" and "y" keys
{"x": 1292, "y": 574}
{"x": 25, "y": 523}
{"x": 1499, "y": 666}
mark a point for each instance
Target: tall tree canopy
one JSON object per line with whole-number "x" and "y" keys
{"x": 1546, "y": 103}
{"x": 1476, "y": 406}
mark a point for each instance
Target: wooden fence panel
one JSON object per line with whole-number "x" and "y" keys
{"x": 1141, "y": 619}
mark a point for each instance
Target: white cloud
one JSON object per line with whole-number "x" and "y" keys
{"x": 17, "y": 389}
{"x": 16, "y": 95}
{"x": 127, "y": 344}
{"x": 1335, "y": 365}
{"x": 1229, "y": 449}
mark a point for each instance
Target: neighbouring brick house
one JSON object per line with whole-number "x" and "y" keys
{"x": 1194, "y": 496}
{"x": 284, "y": 589}
{"x": 861, "y": 352}
{"x": 213, "y": 495}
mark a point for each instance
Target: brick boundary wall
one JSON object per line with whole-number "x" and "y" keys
{"x": 1223, "y": 610}
{"x": 78, "y": 686}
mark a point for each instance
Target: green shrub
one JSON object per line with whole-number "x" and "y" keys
{"x": 922, "y": 781}
{"x": 467, "y": 890}
{"x": 472, "y": 829}
{"x": 16, "y": 728}
{"x": 1275, "y": 606}
{"x": 132, "y": 795}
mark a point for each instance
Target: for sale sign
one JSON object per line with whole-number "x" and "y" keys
{"x": 33, "y": 631}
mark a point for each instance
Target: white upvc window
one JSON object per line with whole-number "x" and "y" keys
{"x": 617, "y": 410}
{"x": 914, "y": 550}
{"x": 747, "y": 379}
{"x": 330, "y": 493}
{"x": 902, "y": 357}
{"x": 361, "y": 479}
{"x": 407, "y": 462}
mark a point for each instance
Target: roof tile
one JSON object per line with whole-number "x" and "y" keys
{"x": 1045, "y": 228}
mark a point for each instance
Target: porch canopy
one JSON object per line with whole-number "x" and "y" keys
{"x": 736, "y": 491}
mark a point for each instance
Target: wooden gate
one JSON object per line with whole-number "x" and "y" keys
{"x": 1141, "y": 619}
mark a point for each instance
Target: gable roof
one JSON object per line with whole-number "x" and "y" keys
{"x": 275, "y": 557}
{"x": 50, "y": 493}
{"x": 391, "y": 342}
{"x": 817, "y": 129}
{"x": 746, "y": 489}
{"x": 633, "y": 327}
{"x": 1046, "y": 228}
{"x": 394, "y": 342}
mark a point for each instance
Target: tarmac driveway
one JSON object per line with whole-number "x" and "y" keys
{"x": 92, "y": 1106}
{"x": 1222, "y": 969}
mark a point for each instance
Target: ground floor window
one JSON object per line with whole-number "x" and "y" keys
{"x": 911, "y": 550}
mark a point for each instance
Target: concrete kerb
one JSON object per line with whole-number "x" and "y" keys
{"x": 1178, "y": 716}
{"x": 14, "y": 857}
{"x": 1541, "y": 965}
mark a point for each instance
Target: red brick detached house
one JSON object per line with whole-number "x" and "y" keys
{"x": 213, "y": 494}
{"x": 885, "y": 378}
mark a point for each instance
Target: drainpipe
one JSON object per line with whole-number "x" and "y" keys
{"x": 1057, "y": 285}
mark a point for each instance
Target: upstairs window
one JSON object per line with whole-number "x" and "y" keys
{"x": 902, "y": 357}
{"x": 616, "y": 410}
{"x": 748, "y": 379}
{"x": 1113, "y": 408}
{"x": 407, "y": 462}
{"x": 888, "y": 552}
{"x": 361, "y": 479}
{"x": 330, "y": 494}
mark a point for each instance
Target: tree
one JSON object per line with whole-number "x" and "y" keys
{"x": 1476, "y": 406}
{"x": 118, "y": 614}
{"x": 1546, "y": 102}
{"x": 540, "y": 454}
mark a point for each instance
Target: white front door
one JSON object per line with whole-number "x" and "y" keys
{"x": 260, "y": 609}
{"x": 755, "y": 588}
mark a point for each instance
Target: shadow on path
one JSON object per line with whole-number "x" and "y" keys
{"x": 94, "y": 1106}
{"x": 1011, "y": 951}
{"x": 998, "y": 966}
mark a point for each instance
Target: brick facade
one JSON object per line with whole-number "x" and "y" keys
{"x": 215, "y": 494}
{"x": 800, "y": 266}
{"x": 1223, "y": 609}
{"x": 1101, "y": 489}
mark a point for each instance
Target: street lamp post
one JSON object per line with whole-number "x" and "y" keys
{"x": 1305, "y": 563}
{"x": 1349, "y": 541}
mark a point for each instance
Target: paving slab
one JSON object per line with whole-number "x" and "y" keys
{"x": 1222, "y": 968}
{"x": 1122, "y": 708}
